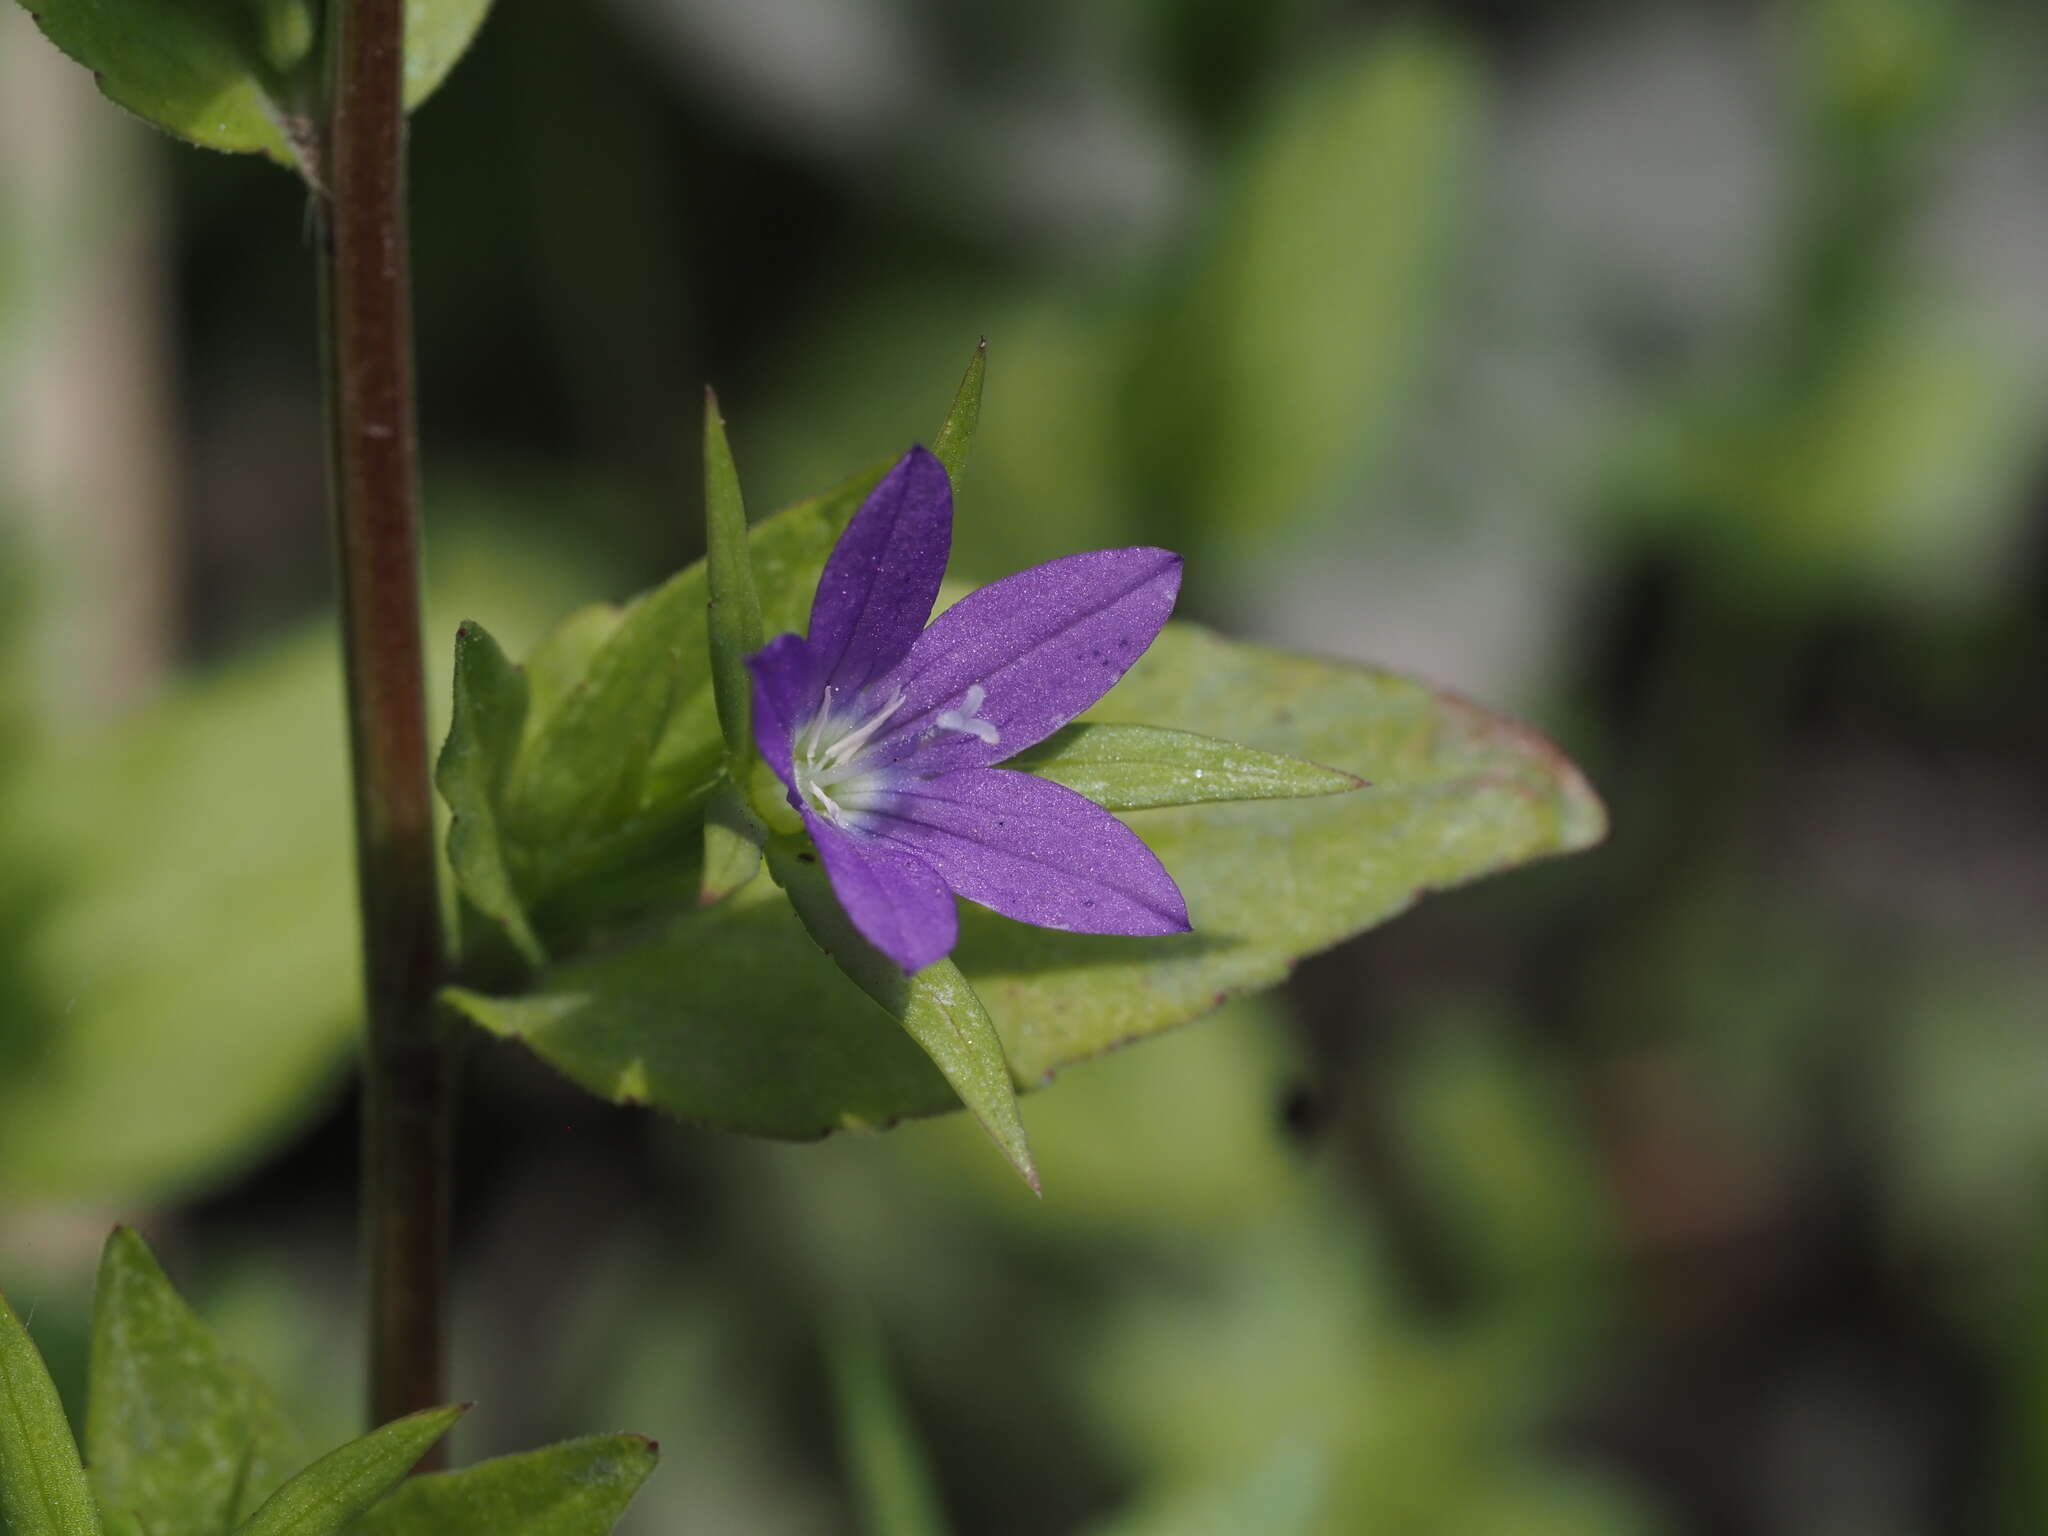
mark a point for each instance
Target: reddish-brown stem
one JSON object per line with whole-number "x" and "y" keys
{"x": 367, "y": 323}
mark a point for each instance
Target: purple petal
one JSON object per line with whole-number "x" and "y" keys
{"x": 1032, "y": 850}
{"x": 883, "y": 576}
{"x": 1043, "y": 645}
{"x": 786, "y": 692}
{"x": 898, "y": 901}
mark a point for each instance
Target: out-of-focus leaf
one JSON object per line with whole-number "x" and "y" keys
{"x": 201, "y": 71}
{"x": 237, "y": 76}
{"x": 1141, "y": 768}
{"x": 483, "y": 739}
{"x": 195, "y": 942}
{"x": 936, "y": 1006}
{"x": 437, "y": 34}
{"x": 578, "y": 1488}
{"x": 43, "y": 1491}
{"x": 1274, "y": 379}
{"x": 1899, "y": 473}
{"x": 733, "y": 615}
{"x": 180, "y": 1436}
{"x": 1281, "y": 1496}
{"x": 885, "y": 1460}
{"x": 733, "y": 836}
{"x": 705, "y": 1013}
{"x": 956, "y": 436}
{"x": 198, "y": 949}
{"x": 334, "y": 1491}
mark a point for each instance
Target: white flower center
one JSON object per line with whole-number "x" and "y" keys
{"x": 829, "y": 755}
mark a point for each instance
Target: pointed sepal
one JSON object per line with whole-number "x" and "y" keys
{"x": 733, "y": 612}
{"x": 43, "y": 1491}
{"x": 332, "y": 1494}
{"x": 956, "y": 434}
{"x": 935, "y": 1006}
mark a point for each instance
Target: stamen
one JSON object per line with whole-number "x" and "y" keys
{"x": 853, "y": 741}
{"x": 964, "y": 721}
{"x": 807, "y": 745}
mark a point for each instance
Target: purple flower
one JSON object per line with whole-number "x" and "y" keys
{"x": 886, "y": 732}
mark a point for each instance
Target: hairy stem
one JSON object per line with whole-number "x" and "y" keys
{"x": 366, "y": 318}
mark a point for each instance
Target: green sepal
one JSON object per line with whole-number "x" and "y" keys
{"x": 733, "y": 612}
{"x": 335, "y": 1491}
{"x": 471, "y": 773}
{"x": 956, "y": 434}
{"x": 578, "y": 1488}
{"x": 43, "y": 1491}
{"x": 935, "y": 1006}
{"x": 1142, "y": 768}
{"x": 155, "y": 1364}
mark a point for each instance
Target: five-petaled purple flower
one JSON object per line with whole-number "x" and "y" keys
{"x": 886, "y": 732}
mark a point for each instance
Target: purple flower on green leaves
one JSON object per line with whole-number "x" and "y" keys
{"x": 887, "y": 731}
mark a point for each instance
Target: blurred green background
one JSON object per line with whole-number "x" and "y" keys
{"x": 1674, "y": 375}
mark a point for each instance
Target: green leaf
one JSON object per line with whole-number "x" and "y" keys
{"x": 437, "y": 34}
{"x": 43, "y": 1490}
{"x": 1455, "y": 794}
{"x": 237, "y": 75}
{"x": 956, "y": 435}
{"x": 483, "y": 741}
{"x": 891, "y": 1474}
{"x": 329, "y": 1495}
{"x": 1141, "y": 768}
{"x": 579, "y": 1488}
{"x": 575, "y": 790}
{"x": 733, "y": 836}
{"x": 936, "y": 1006}
{"x": 180, "y": 1437}
{"x": 733, "y": 615}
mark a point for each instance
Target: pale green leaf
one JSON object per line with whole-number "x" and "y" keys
{"x": 43, "y": 1490}
{"x": 180, "y": 1436}
{"x": 956, "y": 435}
{"x": 483, "y": 740}
{"x": 936, "y": 1006}
{"x": 885, "y": 1459}
{"x": 1141, "y": 768}
{"x": 237, "y": 74}
{"x": 579, "y": 1488}
{"x": 733, "y": 836}
{"x": 199, "y": 69}
{"x": 329, "y": 1496}
{"x": 437, "y": 34}
{"x": 733, "y": 614}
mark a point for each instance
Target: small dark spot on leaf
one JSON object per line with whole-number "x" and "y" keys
{"x": 1303, "y": 1113}
{"x": 807, "y": 858}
